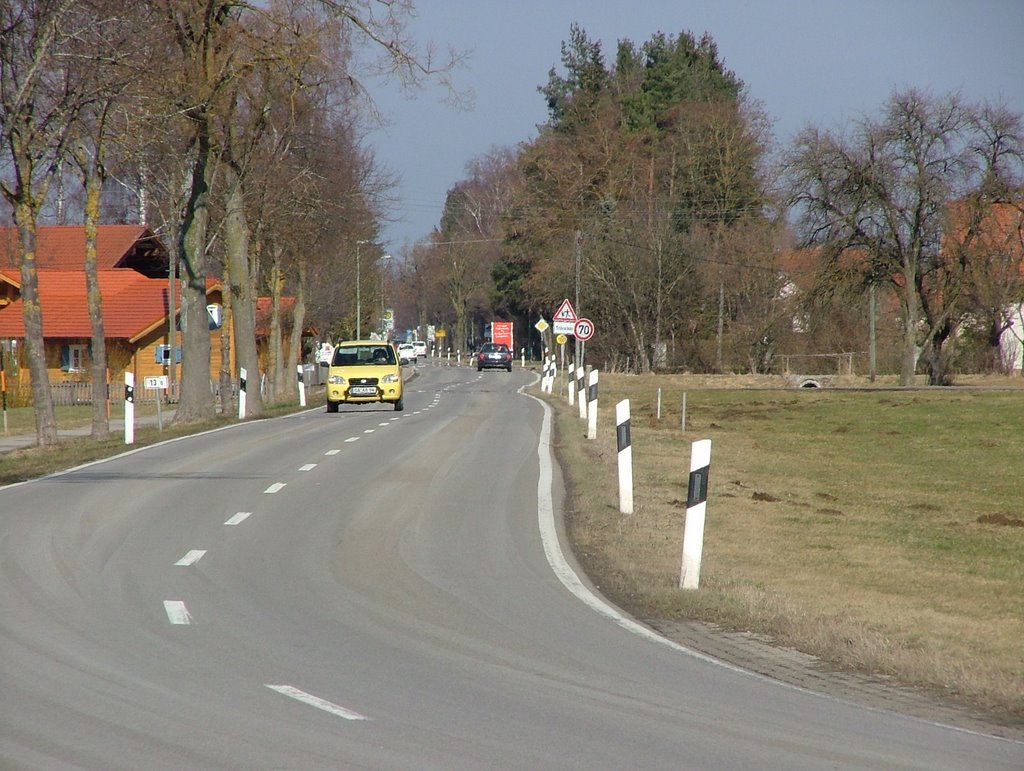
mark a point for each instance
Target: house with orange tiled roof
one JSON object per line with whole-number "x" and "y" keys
{"x": 1003, "y": 234}
{"x": 132, "y": 267}
{"x": 62, "y": 247}
{"x": 133, "y": 275}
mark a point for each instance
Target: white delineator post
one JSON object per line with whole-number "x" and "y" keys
{"x": 302, "y": 386}
{"x": 241, "y": 393}
{"x": 592, "y": 406}
{"x": 129, "y": 407}
{"x": 623, "y": 444}
{"x": 696, "y": 503}
{"x": 572, "y": 384}
{"x": 581, "y": 391}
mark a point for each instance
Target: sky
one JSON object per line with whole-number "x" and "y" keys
{"x": 807, "y": 62}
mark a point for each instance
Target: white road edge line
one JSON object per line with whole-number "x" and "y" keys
{"x": 275, "y": 487}
{"x": 193, "y": 556}
{"x": 239, "y": 517}
{"x": 177, "y": 613}
{"x": 316, "y": 701}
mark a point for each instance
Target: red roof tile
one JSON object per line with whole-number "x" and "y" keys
{"x": 132, "y": 303}
{"x": 62, "y": 247}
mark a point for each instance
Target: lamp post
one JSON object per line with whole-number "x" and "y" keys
{"x": 359, "y": 303}
{"x": 383, "y": 329}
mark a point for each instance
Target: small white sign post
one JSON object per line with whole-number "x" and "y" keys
{"x": 302, "y": 386}
{"x": 623, "y": 444}
{"x": 581, "y": 391}
{"x": 696, "y": 504}
{"x": 592, "y": 406}
{"x": 241, "y": 394}
{"x": 129, "y": 408}
{"x": 157, "y": 383}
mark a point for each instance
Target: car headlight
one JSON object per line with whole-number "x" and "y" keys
{"x": 389, "y": 379}
{"x": 336, "y": 380}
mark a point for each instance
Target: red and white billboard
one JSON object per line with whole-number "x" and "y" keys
{"x": 501, "y": 332}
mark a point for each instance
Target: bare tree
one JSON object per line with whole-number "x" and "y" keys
{"x": 206, "y": 33}
{"x": 886, "y": 189}
{"x": 38, "y": 106}
{"x": 104, "y": 44}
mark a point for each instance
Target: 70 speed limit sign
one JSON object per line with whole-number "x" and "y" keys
{"x": 584, "y": 329}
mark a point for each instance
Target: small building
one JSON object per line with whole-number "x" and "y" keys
{"x": 132, "y": 268}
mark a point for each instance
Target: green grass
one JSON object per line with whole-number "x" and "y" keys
{"x": 881, "y": 530}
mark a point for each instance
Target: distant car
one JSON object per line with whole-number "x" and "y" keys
{"x": 364, "y": 371}
{"x": 494, "y": 356}
{"x": 407, "y": 353}
{"x": 421, "y": 347}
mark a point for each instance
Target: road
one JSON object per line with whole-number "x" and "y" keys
{"x": 374, "y": 590}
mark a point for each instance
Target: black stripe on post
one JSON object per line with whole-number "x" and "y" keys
{"x": 622, "y": 440}
{"x": 592, "y": 392}
{"x": 241, "y": 384}
{"x": 697, "y": 491}
{"x": 129, "y": 393}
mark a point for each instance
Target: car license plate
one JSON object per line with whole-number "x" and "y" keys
{"x": 363, "y": 390}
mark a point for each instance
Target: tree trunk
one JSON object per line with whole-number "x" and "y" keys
{"x": 243, "y": 301}
{"x": 908, "y": 363}
{"x": 224, "y": 380}
{"x": 32, "y": 314}
{"x": 294, "y": 353}
{"x": 196, "y": 395}
{"x": 275, "y": 353}
{"x": 98, "y": 354}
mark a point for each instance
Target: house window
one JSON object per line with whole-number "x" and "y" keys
{"x": 74, "y": 358}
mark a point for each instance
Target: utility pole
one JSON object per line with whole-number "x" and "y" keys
{"x": 578, "y": 257}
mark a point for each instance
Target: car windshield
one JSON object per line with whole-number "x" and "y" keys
{"x": 356, "y": 355}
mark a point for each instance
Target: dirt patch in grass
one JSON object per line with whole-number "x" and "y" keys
{"x": 1002, "y": 520}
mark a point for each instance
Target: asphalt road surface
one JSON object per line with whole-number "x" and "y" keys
{"x": 375, "y": 590}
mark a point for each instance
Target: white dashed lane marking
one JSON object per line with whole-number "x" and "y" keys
{"x": 239, "y": 517}
{"x": 332, "y": 452}
{"x": 191, "y": 558}
{"x": 275, "y": 487}
{"x": 307, "y": 467}
{"x": 176, "y": 611}
{"x": 316, "y": 701}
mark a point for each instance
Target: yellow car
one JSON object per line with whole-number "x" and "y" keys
{"x": 364, "y": 371}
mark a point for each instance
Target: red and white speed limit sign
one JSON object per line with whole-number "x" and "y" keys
{"x": 584, "y": 329}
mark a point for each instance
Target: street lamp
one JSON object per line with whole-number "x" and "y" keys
{"x": 359, "y": 303}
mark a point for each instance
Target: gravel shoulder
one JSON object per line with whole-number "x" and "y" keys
{"x": 758, "y": 654}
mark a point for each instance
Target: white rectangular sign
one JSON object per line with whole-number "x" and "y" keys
{"x": 563, "y": 327}
{"x": 158, "y": 381}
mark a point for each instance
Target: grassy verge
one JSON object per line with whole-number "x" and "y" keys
{"x": 879, "y": 530}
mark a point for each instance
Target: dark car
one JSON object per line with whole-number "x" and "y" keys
{"x": 494, "y": 355}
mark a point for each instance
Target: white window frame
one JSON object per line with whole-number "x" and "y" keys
{"x": 77, "y": 357}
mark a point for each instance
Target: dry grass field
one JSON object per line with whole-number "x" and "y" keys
{"x": 879, "y": 529}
